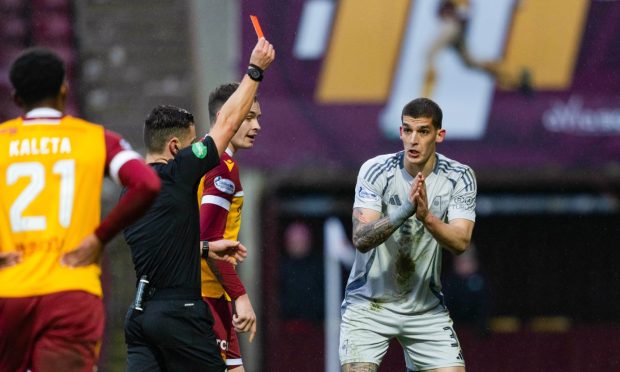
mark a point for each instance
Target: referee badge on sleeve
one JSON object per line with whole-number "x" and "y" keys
{"x": 199, "y": 149}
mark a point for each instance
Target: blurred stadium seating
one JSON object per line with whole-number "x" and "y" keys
{"x": 45, "y": 23}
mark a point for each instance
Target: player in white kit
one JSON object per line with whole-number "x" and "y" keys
{"x": 408, "y": 206}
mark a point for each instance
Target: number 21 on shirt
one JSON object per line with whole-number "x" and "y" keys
{"x": 35, "y": 172}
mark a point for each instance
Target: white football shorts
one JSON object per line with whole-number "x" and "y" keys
{"x": 428, "y": 339}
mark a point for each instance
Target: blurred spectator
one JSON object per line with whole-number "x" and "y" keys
{"x": 301, "y": 276}
{"x": 466, "y": 292}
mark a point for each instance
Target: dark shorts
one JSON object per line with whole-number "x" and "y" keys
{"x": 224, "y": 331}
{"x": 55, "y": 332}
{"x": 172, "y": 335}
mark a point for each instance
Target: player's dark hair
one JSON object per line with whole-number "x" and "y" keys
{"x": 423, "y": 108}
{"x": 218, "y": 97}
{"x": 37, "y": 74}
{"x": 163, "y": 123}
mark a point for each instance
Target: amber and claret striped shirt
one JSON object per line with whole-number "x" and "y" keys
{"x": 221, "y": 201}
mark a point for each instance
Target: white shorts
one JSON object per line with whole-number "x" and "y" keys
{"x": 428, "y": 339}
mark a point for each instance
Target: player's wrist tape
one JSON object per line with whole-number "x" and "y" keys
{"x": 402, "y": 213}
{"x": 204, "y": 249}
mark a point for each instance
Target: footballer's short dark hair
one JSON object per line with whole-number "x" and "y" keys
{"x": 37, "y": 74}
{"x": 163, "y": 123}
{"x": 218, "y": 97}
{"x": 423, "y": 108}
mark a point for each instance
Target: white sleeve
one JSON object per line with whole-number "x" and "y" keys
{"x": 463, "y": 199}
{"x": 369, "y": 187}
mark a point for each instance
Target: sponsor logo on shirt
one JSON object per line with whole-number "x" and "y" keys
{"x": 394, "y": 200}
{"x": 10, "y": 131}
{"x": 199, "y": 149}
{"x": 465, "y": 201}
{"x": 366, "y": 195}
{"x": 224, "y": 185}
{"x": 223, "y": 344}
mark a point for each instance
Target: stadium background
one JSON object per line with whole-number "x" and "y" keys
{"x": 547, "y": 164}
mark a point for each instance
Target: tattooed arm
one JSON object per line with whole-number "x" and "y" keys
{"x": 370, "y": 229}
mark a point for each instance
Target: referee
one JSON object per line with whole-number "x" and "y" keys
{"x": 170, "y": 329}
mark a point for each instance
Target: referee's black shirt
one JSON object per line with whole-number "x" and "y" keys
{"x": 165, "y": 242}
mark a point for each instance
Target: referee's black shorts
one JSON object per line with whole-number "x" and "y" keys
{"x": 172, "y": 335}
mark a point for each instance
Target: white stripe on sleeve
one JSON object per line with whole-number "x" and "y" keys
{"x": 234, "y": 362}
{"x": 119, "y": 160}
{"x": 217, "y": 200}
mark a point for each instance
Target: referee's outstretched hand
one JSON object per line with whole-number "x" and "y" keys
{"x": 227, "y": 250}
{"x": 263, "y": 54}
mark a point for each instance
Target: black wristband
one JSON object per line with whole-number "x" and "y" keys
{"x": 256, "y": 67}
{"x": 204, "y": 249}
{"x": 255, "y": 73}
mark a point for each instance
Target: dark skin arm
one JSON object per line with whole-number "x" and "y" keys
{"x": 8, "y": 259}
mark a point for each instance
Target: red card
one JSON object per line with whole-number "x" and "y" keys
{"x": 259, "y": 31}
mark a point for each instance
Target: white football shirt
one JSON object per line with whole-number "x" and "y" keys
{"x": 403, "y": 273}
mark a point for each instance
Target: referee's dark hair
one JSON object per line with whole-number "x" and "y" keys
{"x": 423, "y": 108}
{"x": 163, "y": 123}
{"x": 37, "y": 74}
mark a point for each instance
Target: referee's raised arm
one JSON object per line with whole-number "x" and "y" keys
{"x": 238, "y": 105}
{"x": 165, "y": 243}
